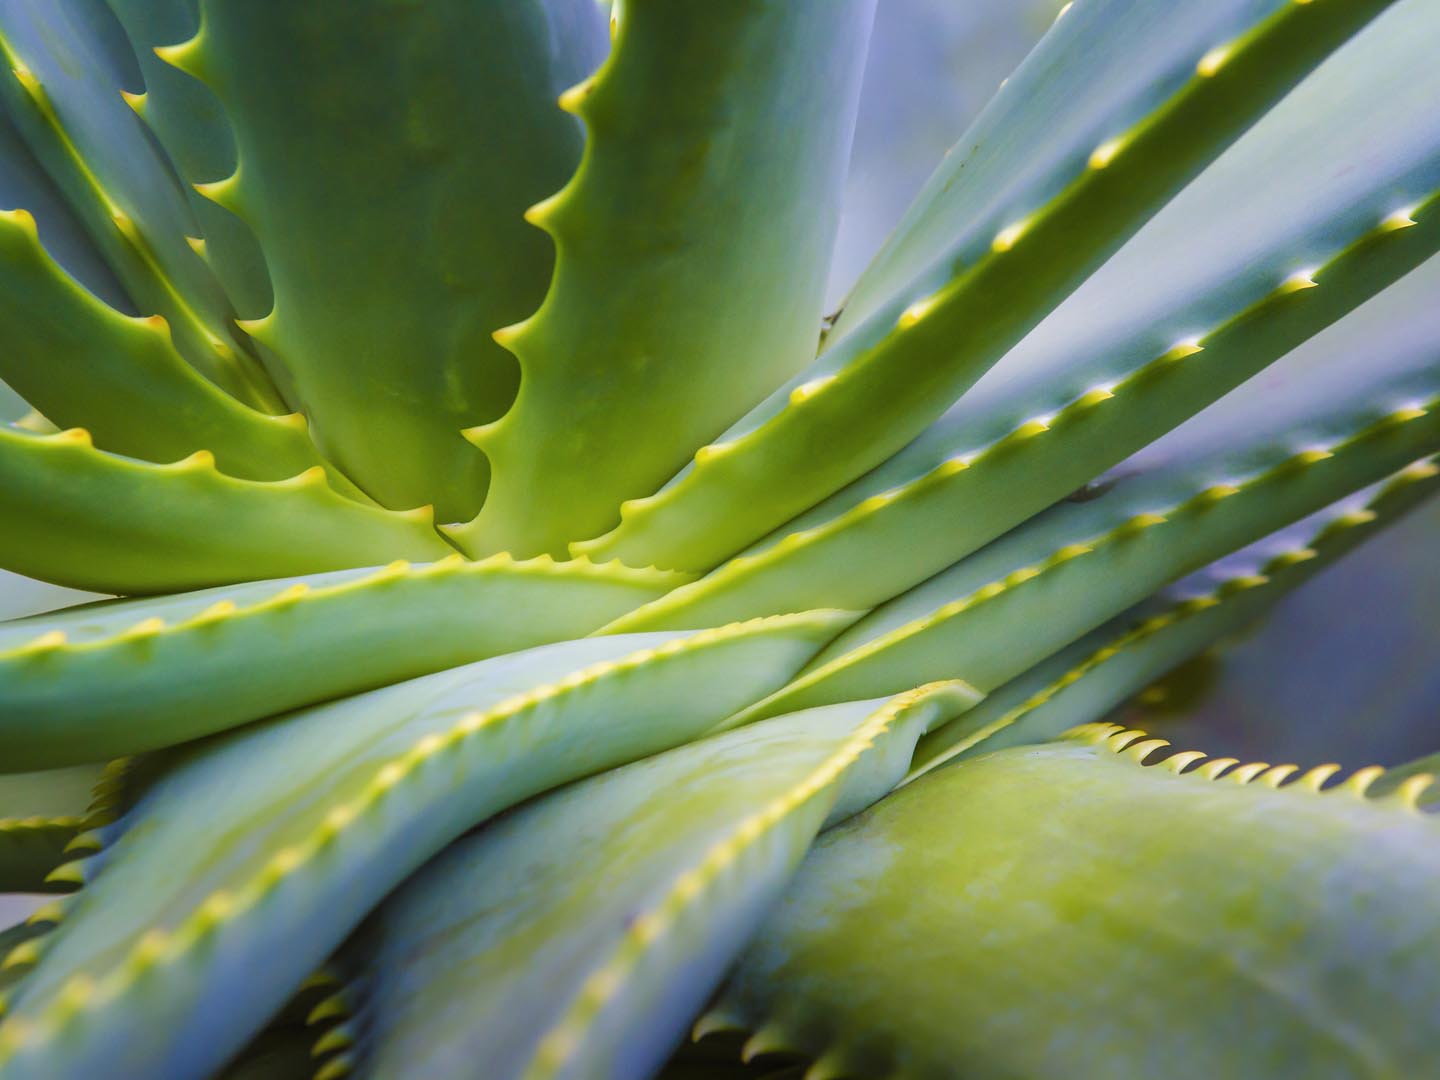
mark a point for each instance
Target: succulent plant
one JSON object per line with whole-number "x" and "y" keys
{"x": 542, "y": 638}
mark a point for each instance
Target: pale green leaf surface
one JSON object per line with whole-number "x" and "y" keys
{"x": 125, "y": 676}
{"x": 384, "y": 161}
{"x": 1102, "y": 376}
{"x": 1060, "y": 911}
{"x": 1250, "y": 464}
{"x": 693, "y": 245}
{"x": 328, "y": 809}
{"x": 578, "y": 936}
{"x": 875, "y": 390}
{"x": 164, "y": 528}
{"x": 1085, "y": 680}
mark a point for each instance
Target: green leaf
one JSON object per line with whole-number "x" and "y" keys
{"x": 81, "y": 363}
{"x": 190, "y": 124}
{"x": 24, "y": 183}
{"x": 186, "y": 666}
{"x": 51, "y": 793}
{"x": 1250, "y": 464}
{"x": 884, "y": 382}
{"x": 384, "y": 162}
{"x": 30, "y": 849}
{"x": 246, "y": 864}
{"x": 693, "y": 245}
{"x": 91, "y": 520}
{"x": 1201, "y": 300}
{"x": 579, "y": 935}
{"x": 1061, "y": 911}
{"x": 1092, "y": 675}
{"x": 69, "y": 62}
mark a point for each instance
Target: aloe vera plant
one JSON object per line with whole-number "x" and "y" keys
{"x": 544, "y": 644}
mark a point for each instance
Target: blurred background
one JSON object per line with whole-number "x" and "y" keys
{"x": 1342, "y": 670}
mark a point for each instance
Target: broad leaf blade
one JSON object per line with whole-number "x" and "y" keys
{"x": 876, "y": 389}
{"x": 302, "y": 824}
{"x": 126, "y": 676}
{"x": 384, "y": 161}
{"x": 1060, "y": 911}
{"x": 693, "y": 245}
{"x": 578, "y": 936}
{"x": 79, "y": 517}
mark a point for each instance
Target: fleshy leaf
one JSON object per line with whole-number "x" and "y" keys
{"x": 579, "y": 935}
{"x": 884, "y": 382}
{"x": 384, "y": 162}
{"x": 693, "y": 245}
{"x": 68, "y": 62}
{"x": 324, "y": 812}
{"x": 1085, "y": 680}
{"x": 1064, "y": 911}
{"x": 130, "y": 675}
{"x": 40, "y": 813}
{"x": 1184, "y": 313}
{"x": 1252, "y": 463}
{"x": 190, "y": 124}
{"x": 79, "y": 517}
{"x": 24, "y": 183}
{"x": 81, "y": 363}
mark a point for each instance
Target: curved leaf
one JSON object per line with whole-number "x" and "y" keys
{"x": 1085, "y": 680}
{"x": 125, "y": 676}
{"x": 1062, "y": 911}
{"x": 69, "y": 60}
{"x": 1252, "y": 463}
{"x": 1104, "y": 375}
{"x": 693, "y": 245}
{"x": 384, "y": 162}
{"x": 81, "y": 363}
{"x": 240, "y": 869}
{"x": 91, "y": 520}
{"x": 190, "y": 124}
{"x": 578, "y": 936}
{"x": 25, "y": 184}
{"x": 876, "y": 389}
{"x": 40, "y": 813}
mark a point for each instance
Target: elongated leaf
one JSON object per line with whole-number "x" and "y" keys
{"x": 693, "y": 247}
{"x": 578, "y": 936}
{"x": 83, "y": 364}
{"x": 1251, "y": 464}
{"x": 69, "y": 61}
{"x": 190, "y": 124}
{"x": 241, "y": 869}
{"x": 1062, "y": 911}
{"x": 384, "y": 162}
{"x": 1102, "y": 377}
{"x": 874, "y": 391}
{"x": 96, "y": 521}
{"x": 24, "y": 183}
{"x": 121, "y": 677}
{"x": 1083, "y": 681}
